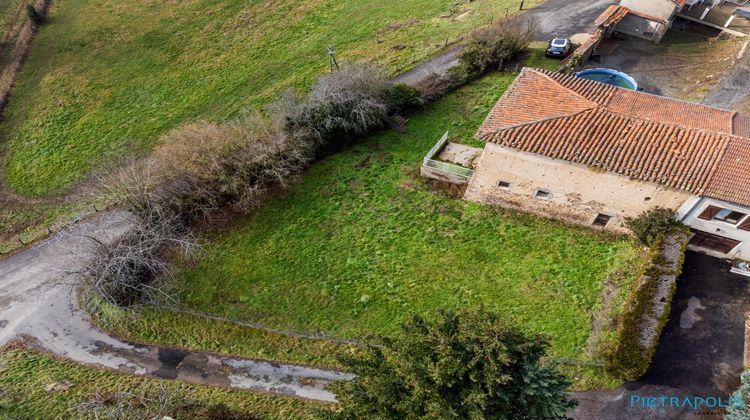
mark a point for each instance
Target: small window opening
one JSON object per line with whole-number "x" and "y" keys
{"x": 503, "y": 184}
{"x": 601, "y": 220}
{"x": 729, "y": 216}
{"x": 541, "y": 193}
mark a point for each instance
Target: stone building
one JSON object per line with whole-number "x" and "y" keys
{"x": 593, "y": 154}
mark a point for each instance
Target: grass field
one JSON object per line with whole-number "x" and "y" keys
{"x": 106, "y": 78}
{"x": 34, "y": 385}
{"x": 362, "y": 241}
{"x": 8, "y": 9}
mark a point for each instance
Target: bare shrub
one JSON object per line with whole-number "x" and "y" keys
{"x": 437, "y": 82}
{"x": 125, "y": 269}
{"x": 339, "y": 106}
{"x": 200, "y": 167}
{"x": 194, "y": 170}
{"x": 495, "y": 45}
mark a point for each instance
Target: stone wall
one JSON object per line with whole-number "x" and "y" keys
{"x": 576, "y": 193}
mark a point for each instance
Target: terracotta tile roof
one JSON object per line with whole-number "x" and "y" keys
{"x": 741, "y": 125}
{"x": 679, "y": 2}
{"x": 675, "y": 143}
{"x": 611, "y": 16}
{"x": 731, "y": 179}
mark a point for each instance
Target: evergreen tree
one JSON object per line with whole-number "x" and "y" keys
{"x": 463, "y": 364}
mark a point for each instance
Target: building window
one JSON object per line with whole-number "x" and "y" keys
{"x": 601, "y": 220}
{"x": 713, "y": 242}
{"x": 745, "y": 225}
{"x": 709, "y": 212}
{"x": 503, "y": 184}
{"x": 542, "y": 193}
{"x": 729, "y": 216}
{"x": 723, "y": 215}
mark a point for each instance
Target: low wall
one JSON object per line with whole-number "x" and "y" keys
{"x": 441, "y": 175}
{"x": 647, "y": 309}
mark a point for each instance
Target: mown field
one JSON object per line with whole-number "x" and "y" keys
{"x": 36, "y": 386}
{"x": 105, "y": 78}
{"x": 362, "y": 241}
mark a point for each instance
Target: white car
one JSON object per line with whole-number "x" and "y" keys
{"x": 558, "y": 47}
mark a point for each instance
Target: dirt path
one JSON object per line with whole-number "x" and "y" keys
{"x": 37, "y": 301}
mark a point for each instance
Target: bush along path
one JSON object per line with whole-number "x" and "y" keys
{"x": 38, "y": 303}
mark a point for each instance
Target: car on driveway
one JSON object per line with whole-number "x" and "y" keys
{"x": 558, "y": 47}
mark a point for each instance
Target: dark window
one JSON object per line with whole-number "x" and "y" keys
{"x": 745, "y": 225}
{"x": 709, "y": 212}
{"x": 601, "y": 220}
{"x": 713, "y": 242}
{"x": 503, "y": 184}
{"x": 540, "y": 193}
{"x": 729, "y": 216}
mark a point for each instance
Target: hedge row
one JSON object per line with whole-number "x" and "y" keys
{"x": 647, "y": 308}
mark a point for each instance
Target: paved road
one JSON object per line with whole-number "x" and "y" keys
{"x": 567, "y": 17}
{"x": 700, "y": 353}
{"x": 37, "y": 300}
{"x": 556, "y": 18}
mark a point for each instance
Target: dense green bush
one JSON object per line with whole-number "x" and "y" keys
{"x": 403, "y": 98}
{"x": 739, "y": 403}
{"x": 464, "y": 364}
{"x": 649, "y": 224}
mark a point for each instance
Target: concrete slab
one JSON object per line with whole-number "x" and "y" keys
{"x": 460, "y": 155}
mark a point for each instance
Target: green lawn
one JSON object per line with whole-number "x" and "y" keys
{"x": 362, "y": 241}
{"x": 35, "y": 386}
{"x": 106, "y": 77}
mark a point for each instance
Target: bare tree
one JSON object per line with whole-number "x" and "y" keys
{"x": 493, "y": 46}
{"x": 436, "y": 82}
{"x": 340, "y": 105}
{"x": 126, "y": 269}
